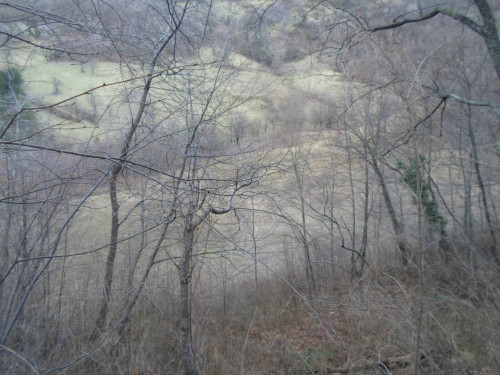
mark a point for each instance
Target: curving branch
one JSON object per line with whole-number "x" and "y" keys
{"x": 400, "y": 21}
{"x": 487, "y": 30}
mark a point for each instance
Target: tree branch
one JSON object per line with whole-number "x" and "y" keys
{"x": 473, "y": 25}
{"x": 488, "y": 29}
{"x": 69, "y": 53}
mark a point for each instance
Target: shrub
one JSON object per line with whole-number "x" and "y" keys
{"x": 258, "y": 50}
{"x": 291, "y": 54}
{"x": 10, "y": 82}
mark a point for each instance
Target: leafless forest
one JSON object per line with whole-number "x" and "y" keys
{"x": 249, "y": 187}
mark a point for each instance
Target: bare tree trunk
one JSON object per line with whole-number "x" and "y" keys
{"x": 354, "y": 271}
{"x": 420, "y": 266}
{"x": 115, "y": 206}
{"x": 364, "y": 238}
{"x": 332, "y": 226}
{"x": 466, "y": 171}
{"x": 110, "y": 262}
{"x": 8, "y": 219}
{"x": 396, "y": 224}
{"x": 184, "y": 270}
{"x": 118, "y": 167}
{"x": 489, "y": 220}
{"x": 489, "y": 33}
{"x": 311, "y": 285}
{"x": 254, "y": 241}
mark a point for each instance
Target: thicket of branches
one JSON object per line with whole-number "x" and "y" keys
{"x": 178, "y": 225}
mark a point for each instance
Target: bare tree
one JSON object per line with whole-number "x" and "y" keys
{"x": 298, "y": 172}
{"x": 486, "y": 28}
{"x": 200, "y": 194}
{"x": 173, "y": 24}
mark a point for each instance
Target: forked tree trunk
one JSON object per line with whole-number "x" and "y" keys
{"x": 100, "y": 322}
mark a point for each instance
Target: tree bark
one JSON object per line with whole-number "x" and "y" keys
{"x": 396, "y": 224}
{"x": 184, "y": 270}
{"x": 311, "y": 285}
{"x": 115, "y": 206}
{"x": 364, "y": 238}
{"x": 479, "y": 176}
{"x": 490, "y": 33}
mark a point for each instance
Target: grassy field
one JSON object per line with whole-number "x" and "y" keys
{"x": 259, "y": 88}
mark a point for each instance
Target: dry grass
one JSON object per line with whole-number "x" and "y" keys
{"x": 372, "y": 321}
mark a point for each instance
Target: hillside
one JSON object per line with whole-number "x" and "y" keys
{"x": 249, "y": 186}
